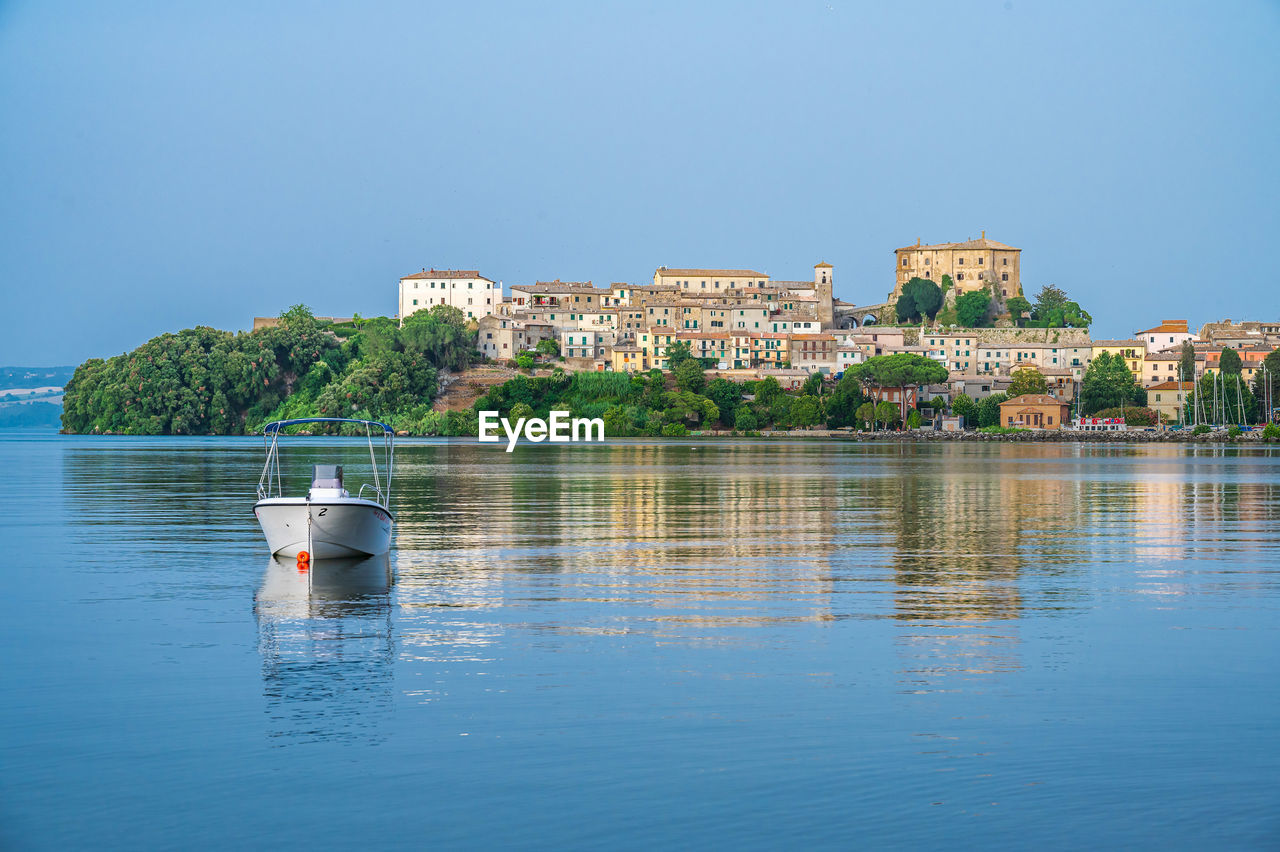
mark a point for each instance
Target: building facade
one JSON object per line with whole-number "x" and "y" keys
{"x": 972, "y": 265}
{"x": 464, "y": 289}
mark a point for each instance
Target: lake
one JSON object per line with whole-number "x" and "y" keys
{"x": 684, "y": 643}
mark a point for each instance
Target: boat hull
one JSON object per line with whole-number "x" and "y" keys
{"x": 339, "y": 528}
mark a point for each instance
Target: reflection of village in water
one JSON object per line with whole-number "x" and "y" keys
{"x": 701, "y": 543}
{"x": 707, "y": 543}
{"x": 326, "y": 640}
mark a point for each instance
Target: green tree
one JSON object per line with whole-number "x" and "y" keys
{"x": 989, "y": 410}
{"x": 689, "y": 376}
{"x": 1019, "y": 309}
{"x": 678, "y": 353}
{"x": 745, "y": 419}
{"x": 684, "y": 405}
{"x": 938, "y": 404}
{"x": 867, "y": 412}
{"x": 548, "y": 346}
{"x": 524, "y": 361}
{"x": 727, "y": 396}
{"x": 1230, "y": 363}
{"x": 768, "y": 391}
{"x": 1049, "y": 299}
{"x": 913, "y": 419}
{"x": 971, "y": 308}
{"x": 806, "y": 411}
{"x": 1108, "y": 383}
{"x": 920, "y": 298}
{"x": 844, "y": 402}
{"x": 1187, "y": 362}
{"x": 887, "y": 413}
{"x": 1027, "y": 380}
{"x": 962, "y": 405}
{"x": 813, "y": 386}
{"x": 904, "y": 369}
{"x": 1266, "y": 383}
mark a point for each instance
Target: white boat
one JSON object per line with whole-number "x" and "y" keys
{"x": 328, "y": 522}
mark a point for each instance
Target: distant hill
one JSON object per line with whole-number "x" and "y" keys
{"x": 31, "y": 415}
{"x": 34, "y": 377}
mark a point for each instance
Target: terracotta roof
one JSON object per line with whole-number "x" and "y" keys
{"x": 446, "y": 273}
{"x": 812, "y": 337}
{"x": 664, "y": 272}
{"x": 1135, "y": 344}
{"x": 1033, "y": 399}
{"x": 558, "y": 286}
{"x": 1164, "y": 355}
{"x": 1167, "y": 326}
{"x": 980, "y": 243}
{"x": 1172, "y": 386}
{"x": 823, "y": 265}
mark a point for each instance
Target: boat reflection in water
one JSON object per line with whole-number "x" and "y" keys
{"x": 327, "y": 647}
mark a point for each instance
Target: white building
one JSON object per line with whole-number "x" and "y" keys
{"x": 465, "y": 289}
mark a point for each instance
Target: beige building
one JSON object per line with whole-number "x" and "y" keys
{"x": 465, "y": 289}
{"x": 1168, "y": 399}
{"x": 970, "y": 264}
{"x": 502, "y": 337}
{"x": 1034, "y": 411}
{"x": 709, "y": 280}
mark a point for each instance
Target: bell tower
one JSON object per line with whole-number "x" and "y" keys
{"x": 824, "y": 276}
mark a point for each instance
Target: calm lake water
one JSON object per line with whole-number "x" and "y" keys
{"x": 739, "y": 644}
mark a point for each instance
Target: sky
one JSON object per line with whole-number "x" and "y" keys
{"x": 166, "y": 165}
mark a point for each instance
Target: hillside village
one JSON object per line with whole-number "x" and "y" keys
{"x": 746, "y": 325}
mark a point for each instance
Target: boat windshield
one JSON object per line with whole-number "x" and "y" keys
{"x": 326, "y": 476}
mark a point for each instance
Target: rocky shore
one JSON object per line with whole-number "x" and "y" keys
{"x": 1030, "y": 436}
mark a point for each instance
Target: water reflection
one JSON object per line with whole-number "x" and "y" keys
{"x": 327, "y": 646}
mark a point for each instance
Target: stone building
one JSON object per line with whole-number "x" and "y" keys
{"x": 970, "y": 264}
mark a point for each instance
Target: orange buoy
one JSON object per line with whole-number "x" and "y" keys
{"x": 303, "y": 556}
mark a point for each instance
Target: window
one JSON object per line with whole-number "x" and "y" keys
{"x": 959, "y": 276}
{"x": 926, "y": 263}
{"x": 1005, "y": 262}
{"x": 415, "y": 301}
{"x": 904, "y": 261}
{"x": 1004, "y": 276}
{"x": 960, "y": 261}
{"x": 469, "y": 284}
{"x": 980, "y": 261}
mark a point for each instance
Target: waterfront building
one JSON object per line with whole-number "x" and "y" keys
{"x": 1168, "y": 399}
{"x": 972, "y": 265}
{"x": 1034, "y": 411}
{"x": 502, "y": 337}
{"x": 464, "y": 289}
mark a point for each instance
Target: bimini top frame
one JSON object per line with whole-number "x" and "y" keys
{"x": 269, "y": 484}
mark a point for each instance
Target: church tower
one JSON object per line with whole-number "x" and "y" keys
{"x": 824, "y": 275}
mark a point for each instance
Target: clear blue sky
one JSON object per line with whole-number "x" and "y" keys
{"x": 167, "y": 165}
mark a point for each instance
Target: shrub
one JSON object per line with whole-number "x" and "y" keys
{"x": 1234, "y": 432}
{"x": 525, "y": 362}
{"x": 1202, "y": 429}
{"x": 674, "y": 430}
{"x": 1271, "y": 432}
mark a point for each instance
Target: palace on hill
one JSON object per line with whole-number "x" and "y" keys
{"x": 745, "y": 324}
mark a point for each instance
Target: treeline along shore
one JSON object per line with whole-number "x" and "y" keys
{"x": 203, "y": 381}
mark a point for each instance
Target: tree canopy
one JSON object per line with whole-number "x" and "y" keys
{"x": 1053, "y": 309}
{"x": 205, "y": 381}
{"x": 1109, "y": 383}
{"x": 1028, "y": 380}
{"x": 900, "y": 370}
{"x": 920, "y": 298}
{"x": 971, "y": 308}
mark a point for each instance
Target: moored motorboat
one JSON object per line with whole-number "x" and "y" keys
{"x": 328, "y": 522}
